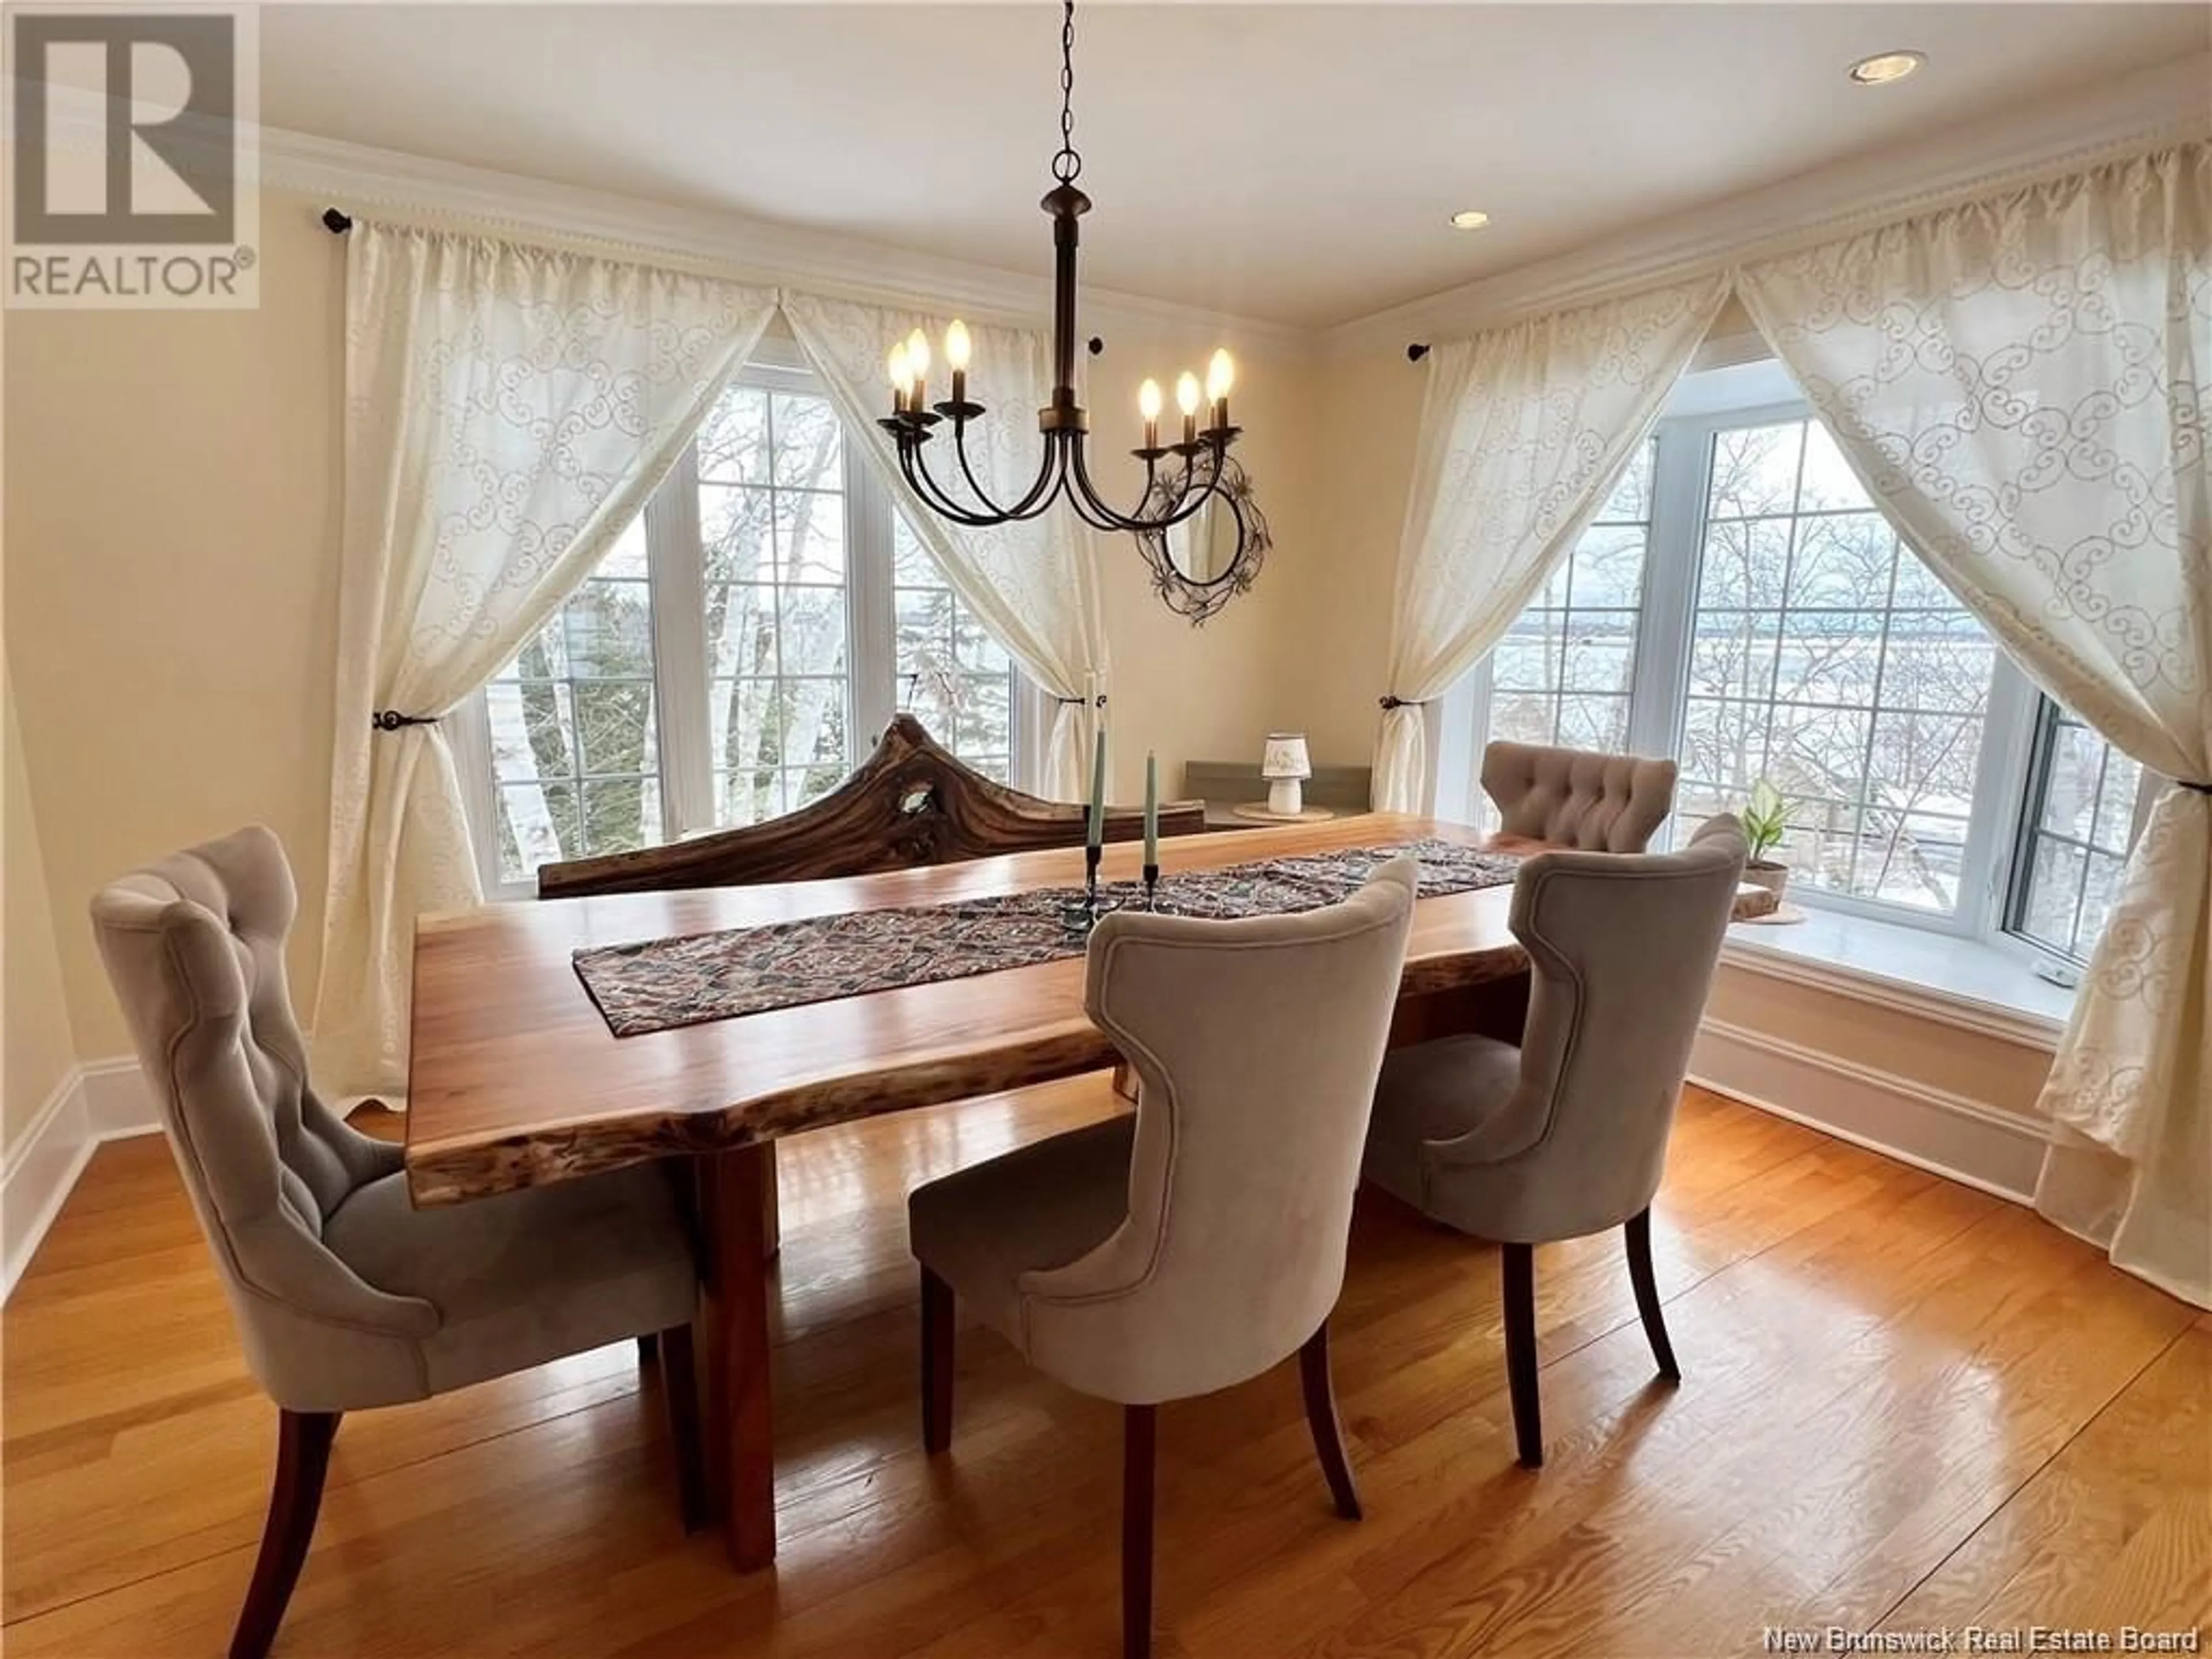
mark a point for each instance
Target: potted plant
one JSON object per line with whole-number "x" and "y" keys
{"x": 1765, "y": 818}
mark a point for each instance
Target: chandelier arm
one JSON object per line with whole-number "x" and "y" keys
{"x": 1027, "y": 507}
{"x": 1091, "y": 514}
{"x": 923, "y": 484}
{"x": 1108, "y": 519}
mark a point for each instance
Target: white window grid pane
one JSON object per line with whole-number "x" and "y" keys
{"x": 1820, "y": 662}
{"x": 2078, "y": 822}
{"x": 779, "y": 647}
{"x": 950, "y": 673}
{"x": 574, "y": 723}
{"x": 1561, "y": 676}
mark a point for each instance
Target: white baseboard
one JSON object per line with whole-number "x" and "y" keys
{"x": 102, "y": 1100}
{"x": 1947, "y": 1135}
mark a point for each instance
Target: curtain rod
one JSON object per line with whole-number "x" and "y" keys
{"x": 1415, "y": 352}
{"x": 336, "y": 222}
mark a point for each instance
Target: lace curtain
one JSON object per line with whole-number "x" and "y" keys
{"x": 507, "y": 411}
{"x": 1524, "y": 431}
{"x": 1034, "y": 585}
{"x": 2020, "y": 383}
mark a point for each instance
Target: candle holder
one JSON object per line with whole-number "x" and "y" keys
{"x": 1152, "y": 887}
{"x": 1080, "y": 915}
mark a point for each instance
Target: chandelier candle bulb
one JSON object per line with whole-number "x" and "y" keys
{"x": 902, "y": 378}
{"x": 1148, "y": 405}
{"x": 917, "y": 358}
{"x": 956, "y": 357}
{"x": 1220, "y": 375}
{"x": 1186, "y": 401}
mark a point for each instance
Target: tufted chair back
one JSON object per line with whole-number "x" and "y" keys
{"x": 195, "y": 947}
{"x": 1623, "y": 952}
{"x": 1577, "y": 798}
{"x": 1257, "y": 1043}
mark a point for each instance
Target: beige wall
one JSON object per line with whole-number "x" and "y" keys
{"x": 1370, "y": 409}
{"x": 1209, "y": 693}
{"x": 171, "y": 582}
{"x": 34, "y": 1021}
{"x": 172, "y": 579}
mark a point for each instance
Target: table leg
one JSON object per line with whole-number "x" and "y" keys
{"x": 740, "y": 1439}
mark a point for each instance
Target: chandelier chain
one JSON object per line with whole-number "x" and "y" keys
{"x": 1068, "y": 163}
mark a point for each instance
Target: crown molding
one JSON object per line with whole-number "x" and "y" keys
{"x": 2116, "y": 117}
{"x": 424, "y": 189}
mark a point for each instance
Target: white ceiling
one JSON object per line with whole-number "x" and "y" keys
{"x": 1291, "y": 162}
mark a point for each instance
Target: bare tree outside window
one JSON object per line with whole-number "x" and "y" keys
{"x": 573, "y": 740}
{"x": 772, "y": 531}
{"x": 1825, "y": 658}
{"x": 2081, "y": 813}
{"x": 1561, "y": 674}
{"x": 952, "y": 676}
{"x": 573, "y": 723}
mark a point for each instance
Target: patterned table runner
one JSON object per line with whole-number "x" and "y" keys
{"x": 660, "y": 984}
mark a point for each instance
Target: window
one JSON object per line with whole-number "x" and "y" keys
{"x": 1825, "y": 659}
{"x": 1741, "y": 605}
{"x": 572, "y": 723}
{"x": 770, "y": 472}
{"x": 954, "y": 676}
{"x": 734, "y": 653}
{"x": 1561, "y": 674}
{"x": 2080, "y": 821}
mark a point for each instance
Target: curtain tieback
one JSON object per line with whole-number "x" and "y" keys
{"x": 1401, "y": 703}
{"x": 2195, "y": 788}
{"x": 1073, "y": 702}
{"x": 391, "y": 719}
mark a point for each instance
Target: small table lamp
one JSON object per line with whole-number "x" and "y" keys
{"x": 1286, "y": 764}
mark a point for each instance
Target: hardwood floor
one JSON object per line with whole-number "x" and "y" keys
{"x": 1905, "y": 1405}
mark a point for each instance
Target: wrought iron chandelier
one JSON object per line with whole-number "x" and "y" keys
{"x": 1170, "y": 493}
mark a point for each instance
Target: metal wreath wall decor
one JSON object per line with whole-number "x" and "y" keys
{"x": 1192, "y": 570}
{"x": 1180, "y": 478}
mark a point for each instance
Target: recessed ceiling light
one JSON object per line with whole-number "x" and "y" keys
{"x": 1470, "y": 219}
{"x": 1887, "y": 66}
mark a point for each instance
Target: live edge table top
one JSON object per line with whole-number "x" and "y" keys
{"x": 515, "y": 1079}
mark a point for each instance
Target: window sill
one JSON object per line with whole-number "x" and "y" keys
{"x": 1943, "y": 977}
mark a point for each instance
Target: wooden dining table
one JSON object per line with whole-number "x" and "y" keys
{"x": 515, "y": 1079}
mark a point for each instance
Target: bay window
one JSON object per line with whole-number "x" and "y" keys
{"x": 735, "y": 654}
{"x": 1741, "y": 605}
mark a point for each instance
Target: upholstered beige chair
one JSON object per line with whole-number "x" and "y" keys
{"x": 1201, "y": 1241}
{"x": 1566, "y": 1135}
{"x": 345, "y": 1295}
{"x": 1577, "y": 798}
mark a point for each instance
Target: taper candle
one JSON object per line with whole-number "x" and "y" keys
{"x": 1096, "y": 837}
{"x": 1151, "y": 808}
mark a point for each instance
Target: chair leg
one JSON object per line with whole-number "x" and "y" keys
{"x": 303, "y": 1458}
{"x": 1139, "y": 1424}
{"x": 936, "y": 1364}
{"x": 1321, "y": 1416}
{"x": 679, "y": 1380}
{"x": 648, "y": 1351}
{"x": 1647, "y": 1294}
{"x": 1520, "y": 1267}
